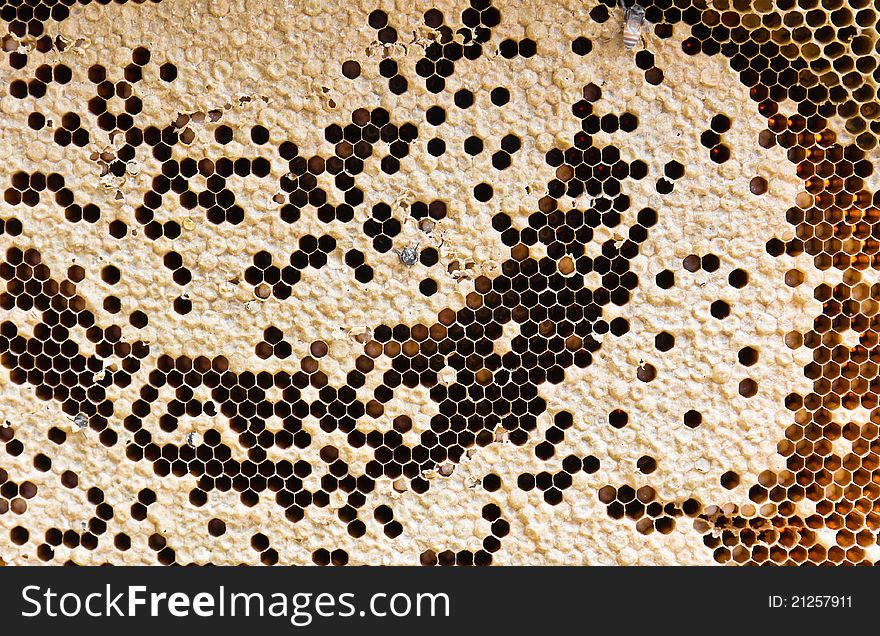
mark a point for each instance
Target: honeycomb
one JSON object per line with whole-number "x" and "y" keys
{"x": 463, "y": 283}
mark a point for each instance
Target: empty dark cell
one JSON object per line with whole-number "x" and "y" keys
{"x": 444, "y": 67}
{"x": 408, "y": 132}
{"x": 553, "y": 496}
{"x": 377, "y": 19}
{"x": 388, "y": 35}
{"x": 591, "y": 124}
{"x": 748, "y": 388}
{"x": 107, "y": 121}
{"x": 758, "y": 185}
{"x": 646, "y": 464}
{"x": 182, "y": 276}
{"x": 241, "y": 167}
{"x": 433, "y": 18}
{"x": 388, "y": 68}
{"x": 645, "y": 60}
{"x": 18, "y": 89}
{"x": 424, "y": 67}
{"x": 357, "y": 529}
{"x": 609, "y": 123}
{"x": 110, "y": 274}
{"x": 321, "y": 557}
{"x": 638, "y": 169}
{"x": 429, "y": 257}
{"x": 435, "y": 84}
{"x": 710, "y": 262}
{"x": 464, "y": 98}
{"x": 775, "y": 247}
{"x": 44, "y": 73}
{"x": 489, "y": 16}
{"x": 398, "y": 85}
{"x": 599, "y": 13}
{"x": 259, "y": 542}
{"x": 133, "y": 73}
{"x": 270, "y": 556}
{"x": 720, "y": 153}
{"x": 97, "y": 74}
{"x": 526, "y": 482}
{"x": 140, "y": 56}
{"x": 106, "y": 89}
{"x": 730, "y": 480}
{"x": 710, "y": 139}
{"x": 738, "y": 278}
{"x": 747, "y": 356}
{"x": 618, "y": 418}
{"x": 483, "y": 192}
{"x": 36, "y": 121}
{"x": 259, "y": 135}
{"x": 12, "y": 196}
{"x": 62, "y": 137}
{"x": 42, "y": 463}
{"x": 544, "y": 451}
{"x": 510, "y": 143}
{"x": 168, "y": 72}
{"x": 471, "y": 16}
{"x": 390, "y": 165}
{"x": 351, "y": 69}
{"x": 138, "y": 319}
{"x": 664, "y": 186}
{"x": 665, "y": 279}
{"x": 182, "y": 305}
{"x": 628, "y": 122}
{"x": 508, "y": 49}
{"x": 17, "y": 60}
{"x": 590, "y": 464}
{"x": 720, "y": 123}
{"x": 500, "y": 160}
{"x": 492, "y": 482}
{"x": 473, "y": 145}
{"x": 664, "y": 341}
{"x": 654, "y": 76}
{"x": 112, "y": 304}
{"x": 500, "y": 96}
{"x": 691, "y": 46}
{"x": 326, "y": 244}
{"x": 527, "y": 47}
{"x": 673, "y": 170}
{"x": 173, "y": 260}
{"x": 436, "y": 147}
{"x": 75, "y": 273}
{"x": 363, "y": 274}
{"x": 720, "y": 309}
{"x": 354, "y": 258}
{"x": 19, "y": 535}
{"x": 581, "y": 46}
{"x": 428, "y": 287}
{"x": 692, "y": 419}
{"x": 223, "y": 134}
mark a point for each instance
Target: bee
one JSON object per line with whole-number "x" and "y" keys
{"x": 409, "y": 256}
{"x": 633, "y": 23}
{"x": 80, "y": 421}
